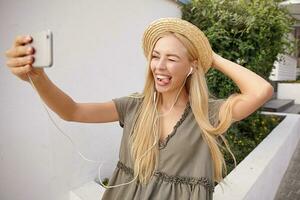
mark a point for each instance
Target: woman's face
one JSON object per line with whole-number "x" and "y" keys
{"x": 169, "y": 64}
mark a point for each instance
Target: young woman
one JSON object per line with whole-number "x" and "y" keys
{"x": 169, "y": 148}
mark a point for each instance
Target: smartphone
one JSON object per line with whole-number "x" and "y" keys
{"x": 42, "y": 42}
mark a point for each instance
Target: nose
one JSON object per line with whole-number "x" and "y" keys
{"x": 161, "y": 64}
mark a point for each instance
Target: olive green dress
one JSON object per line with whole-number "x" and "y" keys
{"x": 185, "y": 167}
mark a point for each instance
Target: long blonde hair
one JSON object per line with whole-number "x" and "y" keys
{"x": 144, "y": 133}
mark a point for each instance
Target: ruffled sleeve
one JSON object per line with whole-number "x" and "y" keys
{"x": 126, "y": 106}
{"x": 121, "y": 106}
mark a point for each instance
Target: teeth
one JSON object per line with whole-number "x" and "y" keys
{"x": 162, "y": 77}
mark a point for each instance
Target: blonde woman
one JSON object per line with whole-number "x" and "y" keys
{"x": 169, "y": 148}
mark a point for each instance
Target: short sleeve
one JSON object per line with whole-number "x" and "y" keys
{"x": 121, "y": 105}
{"x": 214, "y": 109}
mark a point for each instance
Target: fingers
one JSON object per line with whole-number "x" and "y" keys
{"x": 22, "y": 40}
{"x": 19, "y": 48}
{"x": 19, "y": 51}
{"x": 20, "y": 61}
{"x": 20, "y": 55}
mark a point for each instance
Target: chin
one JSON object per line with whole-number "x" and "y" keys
{"x": 162, "y": 89}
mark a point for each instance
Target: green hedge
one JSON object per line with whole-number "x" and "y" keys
{"x": 245, "y": 135}
{"x": 251, "y": 33}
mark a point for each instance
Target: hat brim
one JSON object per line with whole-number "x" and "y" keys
{"x": 185, "y": 28}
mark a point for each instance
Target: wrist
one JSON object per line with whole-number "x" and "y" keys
{"x": 217, "y": 59}
{"x": 38, "y": 76}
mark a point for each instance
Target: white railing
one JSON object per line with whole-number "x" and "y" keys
{"x": 89, "y": 191}
{"x": 259, "y": 175}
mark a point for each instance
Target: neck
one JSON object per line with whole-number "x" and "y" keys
{"x": 169, "y": 98}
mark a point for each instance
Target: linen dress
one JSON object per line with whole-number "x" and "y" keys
{"x": 185, "y": 167}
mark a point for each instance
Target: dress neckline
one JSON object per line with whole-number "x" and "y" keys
{"x": 163, "y": 143}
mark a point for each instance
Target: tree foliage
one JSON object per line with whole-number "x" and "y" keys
{"x": 250, "y": 33}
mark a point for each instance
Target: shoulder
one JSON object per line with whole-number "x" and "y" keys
{"x": 129, "y": 102}
{"x": 127, "y": 105}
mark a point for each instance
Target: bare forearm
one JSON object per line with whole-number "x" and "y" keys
{"x": 248, "y": 82}
{"x": 55, "y": 98}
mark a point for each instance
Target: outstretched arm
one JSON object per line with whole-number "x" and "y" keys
{"x": 19, "y": 61}
{"x": 255, "y": 91}
{"x": 69, "y": 110}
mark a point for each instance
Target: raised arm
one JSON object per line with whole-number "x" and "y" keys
{"x": 20, "y": 59}
{"x": 255, "y": 91}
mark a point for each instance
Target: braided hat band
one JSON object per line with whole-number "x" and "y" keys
{"x": 185, "y": 28}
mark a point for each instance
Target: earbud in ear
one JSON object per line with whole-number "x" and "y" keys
{"x": 190, "y": 72}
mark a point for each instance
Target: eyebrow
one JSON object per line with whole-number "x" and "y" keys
{"x": 168, "y": 54}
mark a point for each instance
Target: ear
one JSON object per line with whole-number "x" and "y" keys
{"x": 194, "y": 64}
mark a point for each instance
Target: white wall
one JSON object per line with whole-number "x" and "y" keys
{"x": 97, "y": 56}
{"x": 284, "y": 69}
{"x": 289, "y": 91}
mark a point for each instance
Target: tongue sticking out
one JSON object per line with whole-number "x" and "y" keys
{"x": 165, "y": 80}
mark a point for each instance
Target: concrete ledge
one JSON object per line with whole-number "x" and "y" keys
{"x": 89, "y": 191}
{"x": 289, "y": 91}
{"x": 258, "y": 176}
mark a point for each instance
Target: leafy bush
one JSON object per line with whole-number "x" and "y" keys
{"x": 251, "y": 33}
{"x": 245, "y": 135}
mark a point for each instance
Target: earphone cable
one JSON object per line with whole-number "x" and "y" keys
{"x": 101, "y": 162}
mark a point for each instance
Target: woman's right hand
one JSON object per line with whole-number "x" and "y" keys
{"x": 21, "y": 57}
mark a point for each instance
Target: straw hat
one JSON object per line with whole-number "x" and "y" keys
{"x": 185, "y": 28}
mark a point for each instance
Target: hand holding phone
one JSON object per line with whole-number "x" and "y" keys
{"x": 42, "y": 43}
{"x": 30, "y": 54}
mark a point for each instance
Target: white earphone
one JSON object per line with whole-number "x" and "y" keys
{"x": 154, "y": 96}
{"x": 190, "y": 72}
{"x": 94, "y": 161}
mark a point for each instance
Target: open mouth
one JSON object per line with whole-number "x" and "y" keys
{"x": 163, "y": 79}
